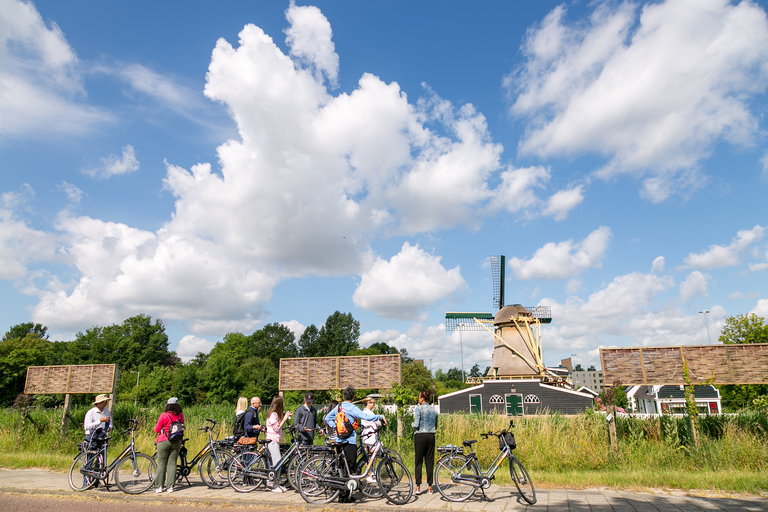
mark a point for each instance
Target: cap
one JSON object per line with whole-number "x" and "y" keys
{"x": 101, "y": 398}
{"x": 172, "y": 400}
{"x": 309, "y": 397}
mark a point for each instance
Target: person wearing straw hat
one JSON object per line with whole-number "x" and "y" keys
{"x": 96, "y": 417}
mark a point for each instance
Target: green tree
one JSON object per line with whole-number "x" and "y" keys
{"x": 416, "y": 377}
{"x": 338, "y": 337}
{"x": 748, "y": 328}
{"x": 274, "y": 341}
{"x": 21, "y": 330}
{"x": 475, "y": 371}
{"x": 308, "y": 341}
{"x": 578, "y": 368}
{"x": 16, "y": 355}
{"x": 135, "y": 342}
{"x": 383, "y": 348}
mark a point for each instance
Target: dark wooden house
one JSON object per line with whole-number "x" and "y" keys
{"x": 515, "y": 398}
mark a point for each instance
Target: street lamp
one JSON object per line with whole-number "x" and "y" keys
{"x": 706, "y": 323}
{"x": 135, "y": 398}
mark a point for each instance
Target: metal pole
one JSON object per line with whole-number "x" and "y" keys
{"x": 706, "y": 323}
{"x": 461, "y": 344}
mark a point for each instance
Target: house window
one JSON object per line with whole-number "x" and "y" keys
{"x": 531, "y": 399}
{"x": 496, "y": 399}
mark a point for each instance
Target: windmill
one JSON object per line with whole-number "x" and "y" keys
{"x": 516, "y": 333}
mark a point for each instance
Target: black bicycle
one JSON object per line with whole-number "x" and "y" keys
{"x": 251, "y": 470}
{"x": 212, "y": 460}
{"x": 458, "y": 475}
{"x": 323, "y": 477}
{"x": 134, "y": 471}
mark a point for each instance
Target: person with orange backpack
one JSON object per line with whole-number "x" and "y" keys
{"x": 344, "y": 419}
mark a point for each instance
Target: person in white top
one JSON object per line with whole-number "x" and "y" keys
{"x": 369, "y": 440}
{"x": 96, "y": 418}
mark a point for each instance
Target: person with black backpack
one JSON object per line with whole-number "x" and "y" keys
{"x": 170, "y": 433}
{"x": 242, "y": 406}
{"x": 345, "y": 418}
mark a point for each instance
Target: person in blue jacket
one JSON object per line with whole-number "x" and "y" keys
{"x": 353, "y": 412}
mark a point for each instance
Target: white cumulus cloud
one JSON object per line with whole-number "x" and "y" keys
{"x": 719, "y": 256}
{"x": 563, "y": 260}
{"x": 406, "y": 285}
{"x": 611, "y": 84}
{"x": 695, "y": 284}
{"x": 114, "y": 165}
{"x": 190, "y": 346}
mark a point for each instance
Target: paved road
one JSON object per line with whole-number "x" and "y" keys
{"x": 37, "y": 489}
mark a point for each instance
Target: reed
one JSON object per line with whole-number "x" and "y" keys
{"x": 559, "y": 451}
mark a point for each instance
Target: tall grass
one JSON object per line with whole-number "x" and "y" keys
{"x": 559, "y": 451}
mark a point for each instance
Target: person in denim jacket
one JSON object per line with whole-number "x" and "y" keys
{"x": 425, "y": 424}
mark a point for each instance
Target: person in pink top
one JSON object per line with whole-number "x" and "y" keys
{"x": 167, "y": 450}
{"x": 275, "y": 434}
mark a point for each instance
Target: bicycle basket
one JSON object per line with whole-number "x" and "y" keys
{"x": 507, "y": 438}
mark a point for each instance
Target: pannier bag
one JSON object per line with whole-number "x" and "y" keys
{"x": 248, "y": 440}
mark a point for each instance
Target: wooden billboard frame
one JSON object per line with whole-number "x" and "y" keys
{"x": 707, "y": 364}
{"x": 71, "y": 379}
{"x": 326, "y": 373}
{"x": 78, "y": 379}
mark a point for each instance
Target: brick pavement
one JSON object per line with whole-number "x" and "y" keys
{"x": 48, "y": 490}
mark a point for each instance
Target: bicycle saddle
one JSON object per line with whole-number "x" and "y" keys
{"x": 469, "y": 443}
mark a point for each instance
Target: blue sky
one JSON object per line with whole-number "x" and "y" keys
{"x": 223, "y": 166}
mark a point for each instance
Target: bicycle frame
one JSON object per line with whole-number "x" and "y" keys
{"x": 104, "y": 474}
{"x": 484, "y": 475}
{"x": 185, "y": 467}
{"x": 341, "y": 482}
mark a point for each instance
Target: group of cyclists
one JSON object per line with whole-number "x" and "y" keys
{"x": 336, "y": 469}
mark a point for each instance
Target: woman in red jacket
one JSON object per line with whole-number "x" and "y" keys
{"x": 167, "y": 450}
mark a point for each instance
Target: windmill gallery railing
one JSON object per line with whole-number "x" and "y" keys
{"x": 465, "y": 321}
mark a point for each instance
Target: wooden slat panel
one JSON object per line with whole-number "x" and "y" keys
{"x": 75, "y": 379}
{"x": 362, "y": 372}
{"x": 710, "y": 364}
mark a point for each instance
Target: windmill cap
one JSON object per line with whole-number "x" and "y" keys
{"x": 507, "y": 313}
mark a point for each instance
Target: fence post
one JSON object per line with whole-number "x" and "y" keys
{"x": 65, "y": 414}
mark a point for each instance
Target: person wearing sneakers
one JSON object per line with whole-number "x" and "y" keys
{"x": 367, "y": 436}
{"x": 275, "y": 435}
{"x": 425, "y": 424}
{"x": 350, "y": 448}
{"x": 167, "y": 450}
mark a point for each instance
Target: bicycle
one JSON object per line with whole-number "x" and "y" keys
{"x": 134, "y": 473}
{"x": 322, "y": 477}
{"x": 251, "y": 470}
{"x": 458, "y": 475}
{"x": 303, "y": 452}
{"x": 212, "y": 460}
{"x": 368, "y": 486}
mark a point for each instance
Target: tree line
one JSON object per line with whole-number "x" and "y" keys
{"x": 239, "y": 365}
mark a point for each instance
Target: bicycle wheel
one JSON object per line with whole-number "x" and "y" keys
{"x": 369, "y": 486}
{"x": 523, "y": 482}
{"x": 447, "y": 473}
{"x": 309, "y": 476}
{"x": 213, "y": 469}
{"x": 237, "y": 472}
{"x": 394, "y": 480}
{"x": 77, "y": 480}
{"x": 135, "y": 477}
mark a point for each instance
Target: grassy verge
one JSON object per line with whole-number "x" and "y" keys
{"x": 559, "y": 451}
